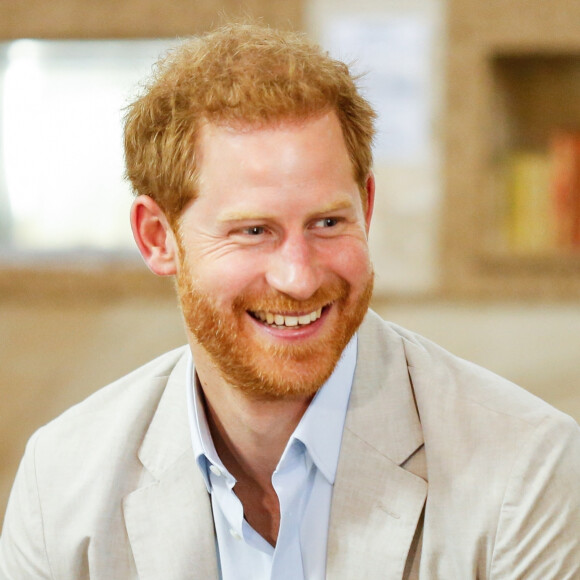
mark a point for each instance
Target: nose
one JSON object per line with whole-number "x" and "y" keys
{"x": 293, "y": 269}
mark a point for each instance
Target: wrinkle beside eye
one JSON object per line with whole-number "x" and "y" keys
{"x": 210, "y": 245}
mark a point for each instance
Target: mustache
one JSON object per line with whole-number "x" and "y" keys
{"x": 275, "y": 301}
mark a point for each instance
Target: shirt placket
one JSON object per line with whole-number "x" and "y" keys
{"x": 289, "y": 481}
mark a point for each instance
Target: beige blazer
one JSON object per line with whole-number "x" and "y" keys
{"x": 446, "y": 472}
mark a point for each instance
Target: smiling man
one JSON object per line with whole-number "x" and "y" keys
{"x": 297, "y": 435}
{"x": 273, "y": 253}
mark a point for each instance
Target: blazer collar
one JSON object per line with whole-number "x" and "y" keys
{"x": 168, "y": 435}
{"x": 169, "y": 519}
{"x": 378, "y": 498}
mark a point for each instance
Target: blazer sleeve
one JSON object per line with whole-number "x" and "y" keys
{"x": 538, "y": 534}
{"x": 22, "y": 547}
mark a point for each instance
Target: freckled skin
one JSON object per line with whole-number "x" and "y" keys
{"x": 278, "y": 226}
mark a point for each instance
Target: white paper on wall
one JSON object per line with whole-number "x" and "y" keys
{"x": 394, "y": 54}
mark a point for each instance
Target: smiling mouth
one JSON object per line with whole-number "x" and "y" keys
{"x": 287, "y": 320}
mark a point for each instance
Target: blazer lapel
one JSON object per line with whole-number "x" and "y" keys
{"x": 169, "y": 519}
{"x": 380, "y": 486}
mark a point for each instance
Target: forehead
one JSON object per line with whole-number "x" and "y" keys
{"x": 296, "y": 147}
{"x": 279, "y": 167}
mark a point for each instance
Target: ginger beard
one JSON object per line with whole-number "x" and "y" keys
{"x": 257, "y": 366}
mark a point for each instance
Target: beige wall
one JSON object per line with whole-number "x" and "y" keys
{"x": 134, "y": 18}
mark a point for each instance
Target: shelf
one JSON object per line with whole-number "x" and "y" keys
{"x": 533, "y": 94}
{"x": 513, "y": 84}
{"x": 548, "y": 263}
{"x": 535, "y": 155}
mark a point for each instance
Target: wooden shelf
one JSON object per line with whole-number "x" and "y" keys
{"x": 513, "y": 78}
{"x": 550, "y": 263}
{"x": 74, "y": 281}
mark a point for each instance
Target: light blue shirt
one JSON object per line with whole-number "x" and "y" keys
{"x": 303, "y": 481}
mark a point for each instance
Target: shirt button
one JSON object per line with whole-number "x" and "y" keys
{"x": 215, "y": 470}
{"x": 235, "y": 534}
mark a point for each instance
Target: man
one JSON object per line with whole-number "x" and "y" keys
{"x": 298, "y": 435}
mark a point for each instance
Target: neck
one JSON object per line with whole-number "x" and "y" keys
{"x": 249, "y": 433}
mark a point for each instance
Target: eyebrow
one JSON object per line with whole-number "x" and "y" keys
{"x": 245, "y": 215}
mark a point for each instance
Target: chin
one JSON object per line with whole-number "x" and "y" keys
{"x": 298, "y": 381}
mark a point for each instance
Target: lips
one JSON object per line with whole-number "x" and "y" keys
{"x": 287, "y": 320}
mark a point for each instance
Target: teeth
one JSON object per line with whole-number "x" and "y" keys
{"x": 284, "y": 320}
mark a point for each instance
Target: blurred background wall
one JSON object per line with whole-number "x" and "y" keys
{"x": 442, "y": 241}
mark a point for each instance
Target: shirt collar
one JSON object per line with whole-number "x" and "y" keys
{"x": 203, "y": 448}
{"x": 319, "y": 430}
{"x": 321, "y": 426}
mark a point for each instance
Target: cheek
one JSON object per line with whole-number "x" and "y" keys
{"x": 227, "y": 278}
{"x": 350, "y": 261}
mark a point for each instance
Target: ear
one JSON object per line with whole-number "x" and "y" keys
{"x": 370, "y": 189}
{"x": 154, "y": 236}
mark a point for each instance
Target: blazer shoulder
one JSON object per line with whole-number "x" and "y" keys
{"x": 439, "y": 374}
{"x": 120, "y": 411}
{"x": 134, "y": 385}
{"x": 78, "y": 468}
{"x": 501, "y": 463}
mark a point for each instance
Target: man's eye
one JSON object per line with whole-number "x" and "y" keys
{"x": 254, "y": 230}
{"x": 328, "y": 222}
